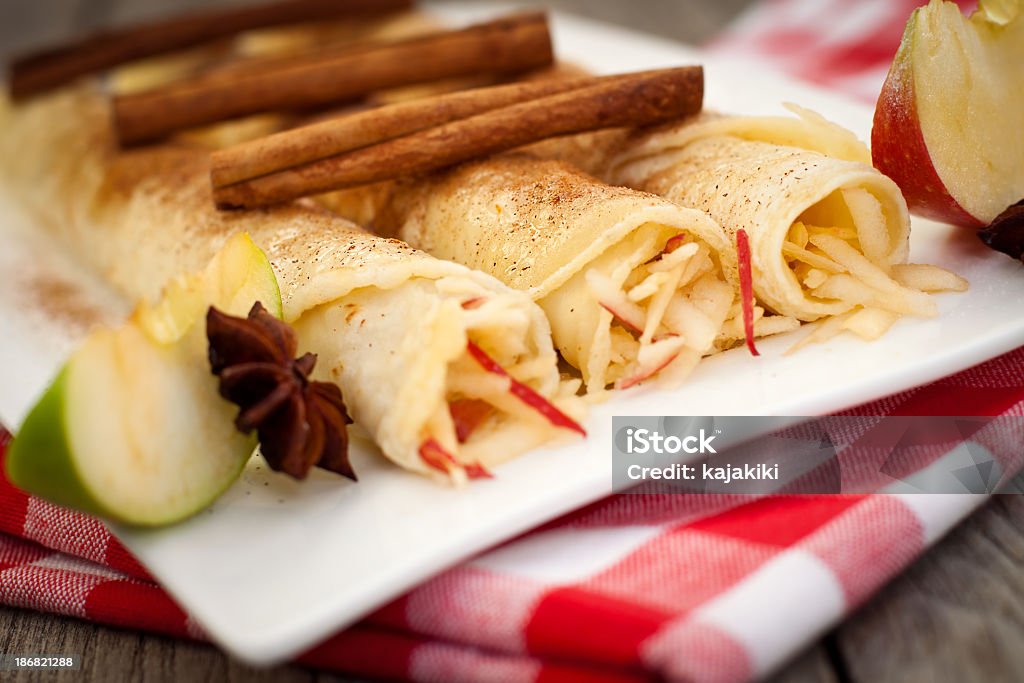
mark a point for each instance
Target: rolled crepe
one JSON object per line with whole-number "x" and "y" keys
{"x": 417, "y": 345}
{"x": 633, "y": 285}
{"x": 828, "y": 232}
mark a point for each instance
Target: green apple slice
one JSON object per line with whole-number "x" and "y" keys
{"x": 133, "y": 428}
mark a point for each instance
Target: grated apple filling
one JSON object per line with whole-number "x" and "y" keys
{"x": 662, "y": 316}
{"x": 407, "y": 356}
{"x": 766, "y": 324}
{"x": 843, "y": 263}
{"x": 508, "y": 386}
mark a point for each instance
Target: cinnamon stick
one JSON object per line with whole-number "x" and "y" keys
{"x": 335, "y": 136}
{"x": 508, "y": 45}
{"x": 42, "y": 70}
{"x": 616, "y": 101}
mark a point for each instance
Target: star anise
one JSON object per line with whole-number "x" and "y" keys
{"x": 300, "y": 423}
{"x": 1006, "y": 232}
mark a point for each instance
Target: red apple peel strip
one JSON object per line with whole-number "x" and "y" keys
{"x": 613, "y": 300}
{"x": 636, "y": 379}
{"x": 468, "y": 414}
{"x": 437, "y": 457}
{"x": 643, "y": 376}
{"x": 628, "y": 324}
{"x": 434, "y": 455}
{"x": 477, "y": 471}
{"x": 524, "y": 393}
{"x": 746, "y": 288}
{"x": 674, "y": 243}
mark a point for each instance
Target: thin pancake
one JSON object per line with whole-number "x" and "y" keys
{"x": 596, "y": 257}
{"x": 826, "y": 229}
{"x": 390, "y": 324}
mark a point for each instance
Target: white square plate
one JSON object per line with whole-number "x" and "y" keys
{"x": 275, "y": 566}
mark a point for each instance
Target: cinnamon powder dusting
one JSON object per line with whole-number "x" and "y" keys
{"x": 62, "y": 302}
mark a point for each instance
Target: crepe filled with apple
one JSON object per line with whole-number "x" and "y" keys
{"x": 828, "y": 233}
{"x": 448, "y": 370}
{"x": 633, "y": 285}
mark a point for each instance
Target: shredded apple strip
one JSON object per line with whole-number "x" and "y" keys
{"x": 830, "y": 264}
{"x": 437, "y": 457}
{"x": 524, "y": 393}
{"x": 665, "y": 315}
{"x": 467, "y": 414}
{"x": 746, "y": 288}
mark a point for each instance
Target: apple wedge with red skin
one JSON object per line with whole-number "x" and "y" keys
{"x": 949, "y": 122}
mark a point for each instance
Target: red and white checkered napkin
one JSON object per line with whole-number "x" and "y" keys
{"x": 690, "y": 587}
{"x": 846, "y": 45}
{"x": 697, "y": 587}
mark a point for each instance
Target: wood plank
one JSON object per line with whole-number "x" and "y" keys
{"x": 109, "y": 654}
{"x": 811, "y": 666}
{"x": 956, "y": 615}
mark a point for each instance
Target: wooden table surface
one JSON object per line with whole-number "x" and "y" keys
{"x": 956, "y": 615}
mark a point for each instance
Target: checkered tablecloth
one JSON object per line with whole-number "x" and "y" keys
{"x": 691, "y": 587}
{"x": 686, "y": 587}
{"x": 845, "y": 45}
